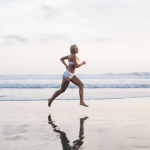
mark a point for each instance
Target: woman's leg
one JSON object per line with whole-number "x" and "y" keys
{"x": 78, "y": 82}
{"x": 64, "y": 86}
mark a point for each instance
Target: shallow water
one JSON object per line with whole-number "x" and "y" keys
{"x": 72, "y": 94}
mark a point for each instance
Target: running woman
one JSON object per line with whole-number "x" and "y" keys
{"x": 70, "y": 76}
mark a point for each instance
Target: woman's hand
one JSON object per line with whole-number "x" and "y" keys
{"x": 83, "y": 63}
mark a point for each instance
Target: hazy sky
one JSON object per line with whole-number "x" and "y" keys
{"x": 112, "y": 35}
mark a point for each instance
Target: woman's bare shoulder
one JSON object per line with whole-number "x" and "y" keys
{"x": 71, "y": 57}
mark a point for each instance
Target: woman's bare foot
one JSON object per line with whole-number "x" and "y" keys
{"x": 49, "y": 102}
{"x": 84, "y": 118}
{"x": 83, "y": 104}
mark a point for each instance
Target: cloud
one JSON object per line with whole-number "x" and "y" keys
{"x": 101, "y": 39}
{"x": 15, "y": 38}
{"x": 46, "y": 38}
{"x": 94, "y": 40}
{"x": 2, "y": 57}
{"x": 50, "y": 12}
{"x": 111, "y": 8}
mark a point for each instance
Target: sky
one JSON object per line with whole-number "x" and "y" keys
{"x": 112, "y": 35}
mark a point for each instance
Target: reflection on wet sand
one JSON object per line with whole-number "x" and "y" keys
{"x": 64, "y": 140}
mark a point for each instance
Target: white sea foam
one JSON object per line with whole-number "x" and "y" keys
{"x": 88, "y": 83}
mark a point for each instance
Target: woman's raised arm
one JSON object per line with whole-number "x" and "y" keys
{"x": 62, "y": 59}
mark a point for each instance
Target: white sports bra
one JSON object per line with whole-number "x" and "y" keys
{"x": 70, "y": 63}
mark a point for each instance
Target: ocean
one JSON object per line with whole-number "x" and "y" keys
{"x": 96, "y": 86}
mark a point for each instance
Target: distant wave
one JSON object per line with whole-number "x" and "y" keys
{"x": 38, "y": 86}
{"x": 133, "y": 75}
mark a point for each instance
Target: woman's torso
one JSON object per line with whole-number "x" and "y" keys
{"x": 71, "y": 67}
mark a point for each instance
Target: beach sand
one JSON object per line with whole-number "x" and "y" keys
{"x": 115, "y": 124}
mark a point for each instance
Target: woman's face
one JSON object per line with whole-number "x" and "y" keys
{"x": 76, "y": 50}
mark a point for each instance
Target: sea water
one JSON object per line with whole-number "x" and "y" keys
{"x": 96, "y": 87}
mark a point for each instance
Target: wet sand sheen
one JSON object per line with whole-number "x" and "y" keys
{"x": 106, "y": 124}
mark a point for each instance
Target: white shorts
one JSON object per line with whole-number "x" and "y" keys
{"x": 68, "y": 74}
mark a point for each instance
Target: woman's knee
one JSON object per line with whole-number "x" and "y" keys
{"x": 81, "y": 85}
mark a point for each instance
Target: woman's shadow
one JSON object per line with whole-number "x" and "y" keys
{"x": 64, "y": 140}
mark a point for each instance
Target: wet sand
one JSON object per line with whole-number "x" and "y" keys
{"x": 121, "y": 124}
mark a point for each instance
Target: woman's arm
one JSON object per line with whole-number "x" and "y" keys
{"x": 62, "y": 59}
{"x": 76, "y": 63}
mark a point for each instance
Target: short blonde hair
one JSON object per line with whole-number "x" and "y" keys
{"x": 72, "y": 49}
